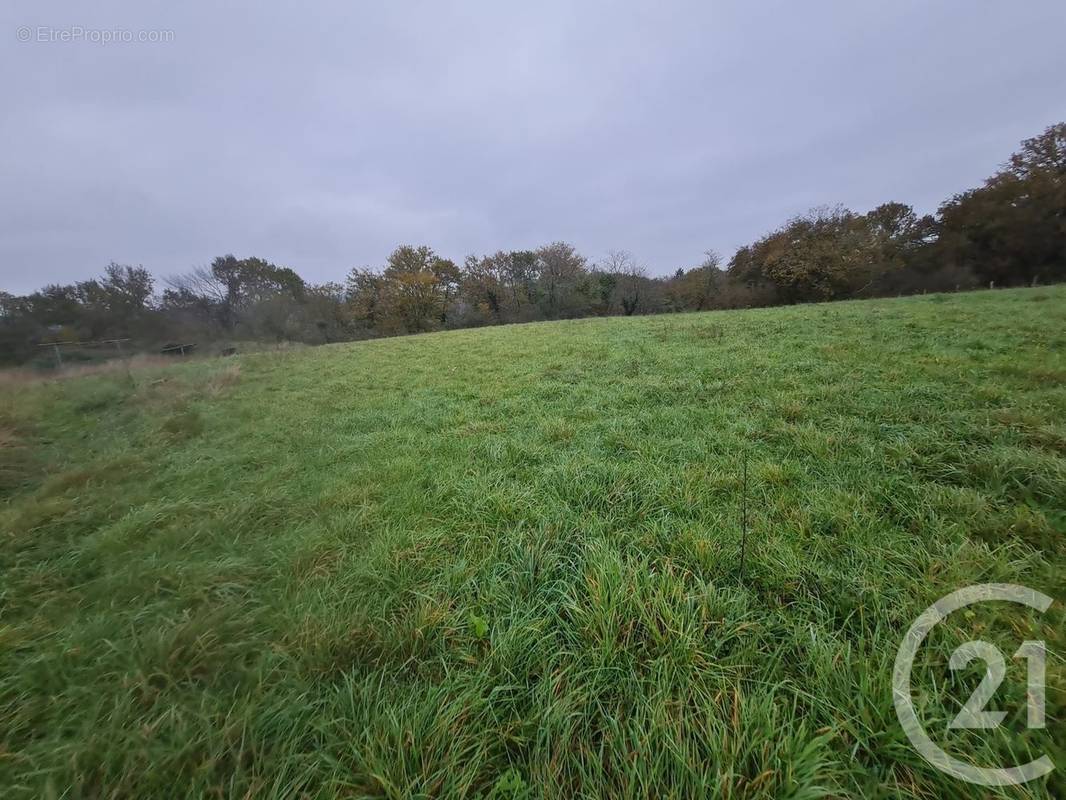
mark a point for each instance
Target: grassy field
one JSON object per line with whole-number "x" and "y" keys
{"x": 506, "y": 562}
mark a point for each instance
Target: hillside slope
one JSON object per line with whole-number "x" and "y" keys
{"x": 507, "y": 561}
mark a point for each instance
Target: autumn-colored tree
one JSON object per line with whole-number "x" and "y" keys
{"x": 834, "y": 253}
{"x": 1013, "y": 229}
{"x": 413, "y": 293}
{"x": 699, "y": 288}
{"x": 1010, "y": 231}
{"x": 419, "y": 286}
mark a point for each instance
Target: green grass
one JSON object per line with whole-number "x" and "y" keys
{"x": 505, "y": 562}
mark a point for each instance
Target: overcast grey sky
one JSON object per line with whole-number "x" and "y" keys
{"x": 321, "y": 135}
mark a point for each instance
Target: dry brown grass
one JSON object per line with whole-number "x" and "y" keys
{"x": 17, "y": 376}
{"x": 223, "y": 379}
{"x": 16, "y": 459}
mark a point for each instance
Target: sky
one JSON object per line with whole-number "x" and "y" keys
{"x": 322, "y": 135}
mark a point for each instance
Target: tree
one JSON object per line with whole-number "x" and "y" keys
{"x": 629, "y": 280}
{"x": 561, "y": 273}
{"x": 365, "y": 294}
{"x": 413, "y": 293}
{"x": 700, "y": 287}
{"x": 233, "y": 286}
{"x": 522, "y": 276}
{"x": 419, "y": 287}
{"x": 826, "y": 254}
{"x": 326, "y": 314}
{"x": 606, "y": 285}
{"x": 899, "y": 252}
{"x": 502, "y": 287}
{"x": 123, "y": 291}
{"x": 484, "y": 285}
{"x": 1013, "y": 229}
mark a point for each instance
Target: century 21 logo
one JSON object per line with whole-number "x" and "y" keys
{"x": 973, "y": 714}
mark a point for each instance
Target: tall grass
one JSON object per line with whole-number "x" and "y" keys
{"x": 505, "y": 562}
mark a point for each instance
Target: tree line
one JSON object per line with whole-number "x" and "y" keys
{"x": 1010, "y": 231}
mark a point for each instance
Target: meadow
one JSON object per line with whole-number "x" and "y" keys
{"x": 506, "y": 562}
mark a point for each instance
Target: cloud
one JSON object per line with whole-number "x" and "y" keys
{"x": 321, "y": 137}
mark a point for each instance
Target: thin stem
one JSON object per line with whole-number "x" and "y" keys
{"x": 744, "y": 519}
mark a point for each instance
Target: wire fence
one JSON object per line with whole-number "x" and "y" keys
{"x": 119, "y": 346}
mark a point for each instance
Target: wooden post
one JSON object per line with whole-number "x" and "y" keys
{"x": 126, "y": 361}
